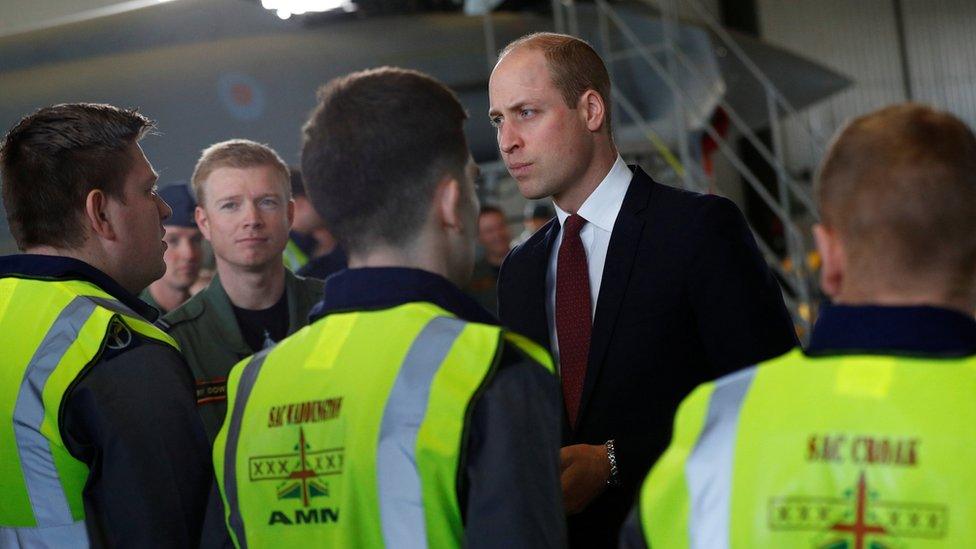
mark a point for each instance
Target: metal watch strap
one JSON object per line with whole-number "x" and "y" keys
{"x": 614, "y": 478}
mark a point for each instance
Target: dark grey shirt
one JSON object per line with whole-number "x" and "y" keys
{"x": 132, "y": 419}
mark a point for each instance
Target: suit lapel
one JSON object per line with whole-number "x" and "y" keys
{"x": 622, "y": 249}
{"x": 535, "y": 296}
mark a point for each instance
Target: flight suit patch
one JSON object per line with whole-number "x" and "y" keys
{"x": 211, "y": 390}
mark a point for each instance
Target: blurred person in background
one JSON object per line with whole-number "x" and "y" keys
{"x": 536, "y": 215}
{"x": 819, "y": 444}
{"x": 495, "y": 240}
{"x": 244, "y": 209}
{"x": 302, "y": 245}
{"x": 101, "y": 444}
{"x": 310, "y": 236}
{"x": 437, "y": 427}
{"x": 184, "y": 251}
{"x": 204, "y": 277}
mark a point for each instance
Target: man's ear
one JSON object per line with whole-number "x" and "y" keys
{"x": 203, "y": 222}
{"x": 98, "y": 215}
{"x": 446, "y": 200}
{"x": 291, "y": 212}
{"x": 593, "y": 109}
{"x": 833, "y": 257}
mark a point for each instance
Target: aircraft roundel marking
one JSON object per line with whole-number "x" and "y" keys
{"x": 242, "y": 95}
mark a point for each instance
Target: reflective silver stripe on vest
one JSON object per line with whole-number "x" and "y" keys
{"x": 74, "y": 535}
{"x": 114, "y": 305}
{"x": 48, "y": 501}
{"x": 244, "y": 386}
{"x": 397, "y": 477}
{"x": 118, "y": 307}
{"x": 709, "y": 467}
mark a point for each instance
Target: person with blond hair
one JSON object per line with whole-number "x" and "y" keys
{"x": 244, "y": 209}
{"x": 864, "y": 438}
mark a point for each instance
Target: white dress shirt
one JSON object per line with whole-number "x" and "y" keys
{"x": 600, "y": 212}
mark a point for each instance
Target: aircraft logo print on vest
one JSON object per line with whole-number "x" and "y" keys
{"x": 300, "y": 472}
{"x": 860, "y": 511}
{"x": 119, "y": 336}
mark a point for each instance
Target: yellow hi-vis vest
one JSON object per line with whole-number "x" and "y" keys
{"x": 50, "y": 332}
{"x": 850, "y": 451}
{"x": 293, "y": 256}
{"x": 350, "y": 432}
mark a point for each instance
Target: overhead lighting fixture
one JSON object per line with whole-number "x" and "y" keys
{"x": 287, "y": 8}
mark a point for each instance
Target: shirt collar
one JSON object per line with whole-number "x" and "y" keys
{"x": 875, "y": 329}
{"x": 386, "y": 287}
{"x": 305, "y": 242}
{"x": 49, "y": 267}
{"x": 603, "y": 204}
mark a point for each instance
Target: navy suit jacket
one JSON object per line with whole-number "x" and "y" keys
{"x": 685, "y": 298}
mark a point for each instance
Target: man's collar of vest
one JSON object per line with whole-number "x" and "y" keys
{"x": 49, "y": 267}
{"x": 305, "y": 242}
{"x": 374, "y": 288}
{"x": 876, "y": 329}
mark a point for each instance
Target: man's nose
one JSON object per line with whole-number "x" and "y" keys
{"x": 165, "y": 212}
{"x": 508, "y": 138}
{"x": 252, "y": 215}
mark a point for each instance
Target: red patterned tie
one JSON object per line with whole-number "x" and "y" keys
{"x": 573, "y": 317}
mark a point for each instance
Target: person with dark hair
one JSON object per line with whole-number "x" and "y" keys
{"x": 865, "y": 438}
{"x": 641, "y": 291}
{"x": 101, "y": 443}
{"x": 495, "y": 240}
{"x": 184, "y": 252}
{"x": 244, "y": 209}
{"x": 310, "y": 238}
{"x": 536, "y": 215}
{"x": 422, "y": 422}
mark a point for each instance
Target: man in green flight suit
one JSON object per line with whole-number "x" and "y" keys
{"x": 244, "y": 209}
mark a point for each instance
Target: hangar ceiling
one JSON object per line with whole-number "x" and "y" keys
{"x": 23, "y": 15}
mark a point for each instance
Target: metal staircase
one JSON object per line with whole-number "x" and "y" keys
{"x": 672, "y": 160}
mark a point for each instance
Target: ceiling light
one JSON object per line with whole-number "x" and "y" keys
{"x": 287, "y": 8}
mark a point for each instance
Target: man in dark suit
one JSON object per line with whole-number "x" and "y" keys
{"x": 641, "y": 291}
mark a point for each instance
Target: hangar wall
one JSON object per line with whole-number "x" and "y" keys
{"x": 860, "y": 39}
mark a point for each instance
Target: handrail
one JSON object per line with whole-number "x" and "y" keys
{"x": 781, "y": 208}
{"x": 757, "y": 73}
{"x": 795, "y": 281}
{"x": 723, "y": 146}
{"x": 769, "y": 156}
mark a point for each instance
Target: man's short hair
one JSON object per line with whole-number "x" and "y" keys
{"x": 375, "y": 148}
{"x": 899, "y": 185}
{"x": 574, "y": 66}
{"x": 297, "y": 181}
{"x": 236, "y": 153}
{"x": 52, "y": 159}
{"x": 490, "y": 209}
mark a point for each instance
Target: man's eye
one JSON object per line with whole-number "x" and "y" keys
{"x": 496, "y": 121}
{"x": 268, "y": 203}
{"x": 526, "y": 113}
{"x": 229, "y": 206}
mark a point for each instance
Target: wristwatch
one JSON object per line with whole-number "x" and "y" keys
{"x": 614, "y": 478}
